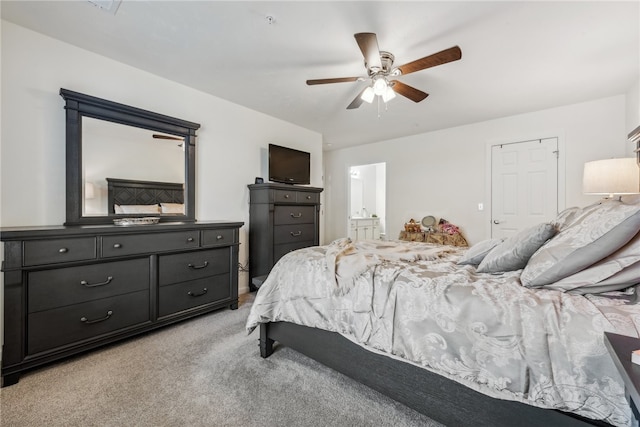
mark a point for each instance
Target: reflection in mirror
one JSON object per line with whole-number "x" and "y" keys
{"x": 112, "y": 150}
{"x": 123, "y": 154}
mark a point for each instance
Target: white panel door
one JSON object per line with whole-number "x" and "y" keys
{"x": 524, "y": 185}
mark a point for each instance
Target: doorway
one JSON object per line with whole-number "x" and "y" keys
{"x": 524, "y": 185}
{"x": 367, "y": 201}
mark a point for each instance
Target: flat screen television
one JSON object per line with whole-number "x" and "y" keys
{"x": 289, "y": 166}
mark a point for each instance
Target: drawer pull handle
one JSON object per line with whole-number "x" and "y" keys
{"x": 219, "y": 237}
{"x": 63, "y": 250}
{"x": 196, "y": 267}
{"x": 308, "y": 197}
{"x": 204, "y": 291}
{"x": 88, "y": 322}
{"x": 117, "y": 245}
{"x": 190, "y": 239}
{"x": 85, "y": 283}
{"x": 299, "y": 233}
{"x": 296, "y": 216}
{"x": 286, "y": 196}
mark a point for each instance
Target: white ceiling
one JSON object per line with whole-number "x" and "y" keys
{"x": 516, "y": 56}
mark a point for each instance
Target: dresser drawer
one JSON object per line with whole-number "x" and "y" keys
{"x": 294, "y": 214}
{"x": 223, "y": 236}
{"x": 186, "y": 295}
{"x": 72, "y": 285}
{"x": 284, "y": 196}
{"x": 293, "y": 233}
{"x": 131, "y": 244}
{"x": 281, "y": 250}
{"x": 54, "y": 328}
{"x": 39, "y": 252}
{"x": 193, "y": 265}
{"x": 306, "y": 197}
{"x": 293, "y": 196}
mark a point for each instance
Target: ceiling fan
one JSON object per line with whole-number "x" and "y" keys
{"x": 170, "y": 137}
{"x": 160, "y": 136}
{"x": 380, "y": 71}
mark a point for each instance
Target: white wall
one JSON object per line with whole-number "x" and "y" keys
{"x": 381, "y": 195}
{"x": 231, "y": 146}
{"x": 633, "y": 112}
{"x": 1, "y": 246}
{"x": 445, "y": 175}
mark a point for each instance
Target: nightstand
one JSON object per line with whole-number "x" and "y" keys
{"x": 620, "y": 348}
{"x": 256, "y": 282}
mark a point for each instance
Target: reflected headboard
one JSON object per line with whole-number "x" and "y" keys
{"x": 132, "y": 192}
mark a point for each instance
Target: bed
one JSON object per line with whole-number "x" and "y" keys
{"x": 127, "y": 196}
{"x": 508, "y": 332}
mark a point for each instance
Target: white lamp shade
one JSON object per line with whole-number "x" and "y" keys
{"x": 368, "y": 95}
{"x": 379, "y": 86}
{"x": 611, "y": 176}
{"x": 388, "y": 95}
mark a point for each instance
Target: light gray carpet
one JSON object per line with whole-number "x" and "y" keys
{"x": 202, "y": 372}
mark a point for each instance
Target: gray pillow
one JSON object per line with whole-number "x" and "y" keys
{"x": 513, "y": 253}
{"x": 628, "y": 277}
{"x": 476, "y": 253}
{"x": 566, "y": 218}
{"x": 596, "y": 232}
{"x": 604, "y": 276}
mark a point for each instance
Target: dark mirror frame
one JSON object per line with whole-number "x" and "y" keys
{"x": 78, "y": 105}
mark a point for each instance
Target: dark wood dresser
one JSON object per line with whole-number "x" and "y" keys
{"x": 282, "y": 218}
{"x": 68, "y": 289}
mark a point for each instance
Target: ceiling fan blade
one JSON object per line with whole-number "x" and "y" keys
{"x": 442, "y": 57}
{"x": 357, "y": 101}
{"x": 336, "y": 80}
{"x": 408, "y": 91}
{"x": 368, "y": 43}
{"x": 158, "y": 136}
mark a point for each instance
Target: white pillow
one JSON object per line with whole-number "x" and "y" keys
{"x": 597, "y": 232}
{"x": 476, "y": 253}
{"x": 172, "y": 208}
{"x": 513, "y": 253}
{"x": 135, "y": 209}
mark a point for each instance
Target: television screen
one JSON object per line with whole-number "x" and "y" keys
{"x": 288, "y": 165}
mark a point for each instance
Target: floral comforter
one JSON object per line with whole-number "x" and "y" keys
{"x": 411, "y": 301}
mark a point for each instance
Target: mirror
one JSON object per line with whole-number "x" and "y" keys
{"x": 124, "y": 161}
{"x": 114, "y": 151}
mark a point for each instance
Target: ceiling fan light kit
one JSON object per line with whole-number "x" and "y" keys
{"x": 379, "y": 68}
{"x": 368, "y": 95}
{"x": 388, "y": 94}
{"x": 380, "y": 85}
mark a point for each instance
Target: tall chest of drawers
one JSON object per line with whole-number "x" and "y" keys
{"x": 71, "y": 289}
{"x": 282, "y": 218}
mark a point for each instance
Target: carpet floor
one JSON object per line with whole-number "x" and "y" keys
{"x": 202, "y": 372}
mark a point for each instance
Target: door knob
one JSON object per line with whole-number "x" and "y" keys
{"x": 496, "y": 221}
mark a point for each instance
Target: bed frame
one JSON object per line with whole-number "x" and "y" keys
{"x": 133, "y": 192}
{"x": 437, "y": 397}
